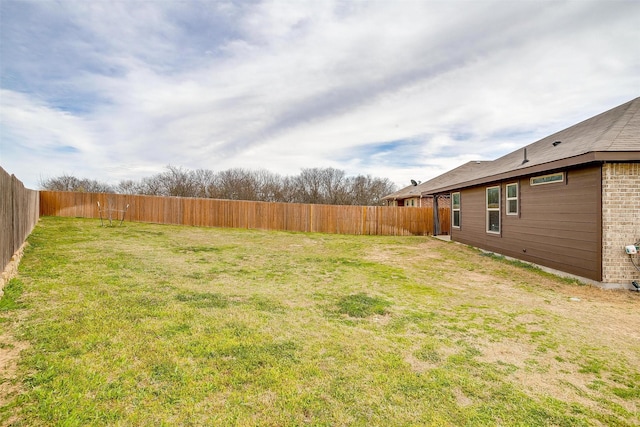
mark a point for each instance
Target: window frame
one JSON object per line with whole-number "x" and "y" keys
{"x": 493, "y": 209}
{"x": 511, "y": 199}
{"x": 454, "y": 210}
{"x": 542, "y": 177}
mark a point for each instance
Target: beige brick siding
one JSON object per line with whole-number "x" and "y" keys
{"x": 620, "y": 221}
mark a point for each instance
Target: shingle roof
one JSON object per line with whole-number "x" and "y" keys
{"x": 612, "y": 135}
{"x": 407, "y": 192}
{"x": 475, "y": 167}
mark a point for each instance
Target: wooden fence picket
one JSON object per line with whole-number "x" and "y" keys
{"x": 338, "y": 219}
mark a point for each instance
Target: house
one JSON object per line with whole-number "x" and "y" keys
{"x": 408, "y": 196}
{"x": 422, "y": 195}
{"x": 569, "y": 202}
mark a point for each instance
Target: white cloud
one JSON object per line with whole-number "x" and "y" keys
{"x": 287, "y": 85}
{"x": 37, "y": 138}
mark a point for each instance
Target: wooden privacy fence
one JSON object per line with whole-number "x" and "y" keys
{"x": 19, "y": 213}
{"x": 375, "y": 220}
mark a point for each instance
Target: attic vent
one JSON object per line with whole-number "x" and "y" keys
{"x": 525, "y": 157}
{"x": 557, "y": 143}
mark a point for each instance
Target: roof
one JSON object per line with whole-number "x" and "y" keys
{"x": 407, "y": 192}
{"x": 475, "y": 167}
{"x": 610, "y": 136}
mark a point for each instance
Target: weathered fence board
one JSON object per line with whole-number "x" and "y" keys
{"x": 19, "y": 213}
{"x": 376, "y": 220}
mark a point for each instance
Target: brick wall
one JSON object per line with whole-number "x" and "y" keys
{"x": 620, "y": 221}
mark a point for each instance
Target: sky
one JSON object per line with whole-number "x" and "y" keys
{"x": 114, "y": 90}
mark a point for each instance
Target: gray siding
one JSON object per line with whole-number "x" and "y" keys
{"x": 558, "y": 225}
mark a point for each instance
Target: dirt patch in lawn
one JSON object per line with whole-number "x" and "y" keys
{"x": 10, "y": 350}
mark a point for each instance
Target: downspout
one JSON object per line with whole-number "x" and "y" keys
{"x": 436, "y": 216}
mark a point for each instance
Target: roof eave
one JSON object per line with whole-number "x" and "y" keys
{"x": 591, "y": 157}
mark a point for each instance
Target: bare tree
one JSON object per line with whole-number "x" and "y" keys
{"x": 268, "y": 186}
{"x": 205, "y": 183}
{"x": 128, "y": 186}
{"x": 309, "y": 186}
{"x": 235, "y": 184}
{"x": 313, "y": 185}
{"x": 177, "y": 182}
{"x": 333, "y": 187}
{"x": 366, "y": 190}
{"x": 288, "y": 191}
{"x": 67, "y": 182}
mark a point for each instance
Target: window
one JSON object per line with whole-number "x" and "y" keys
{"x": 455, "y": 209}
{"x": 512, "y": 199}
{"x": 493, "y": 210}
{"x": 547, "y": 179}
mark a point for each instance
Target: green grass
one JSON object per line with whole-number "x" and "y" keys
{"x": 160, "y": 325}
{"x": 12, "y": 292}
{"x": 362, "y": 305}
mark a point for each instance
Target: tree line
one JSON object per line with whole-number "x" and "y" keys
{"x": 312, "y": 185}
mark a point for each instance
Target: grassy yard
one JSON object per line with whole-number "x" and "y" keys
{"x": 159, "y": 325}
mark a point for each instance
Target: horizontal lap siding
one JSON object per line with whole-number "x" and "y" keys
{"x": 558, "y": 225}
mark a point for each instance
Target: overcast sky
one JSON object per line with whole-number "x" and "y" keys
{"x": 112, "y": 90}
